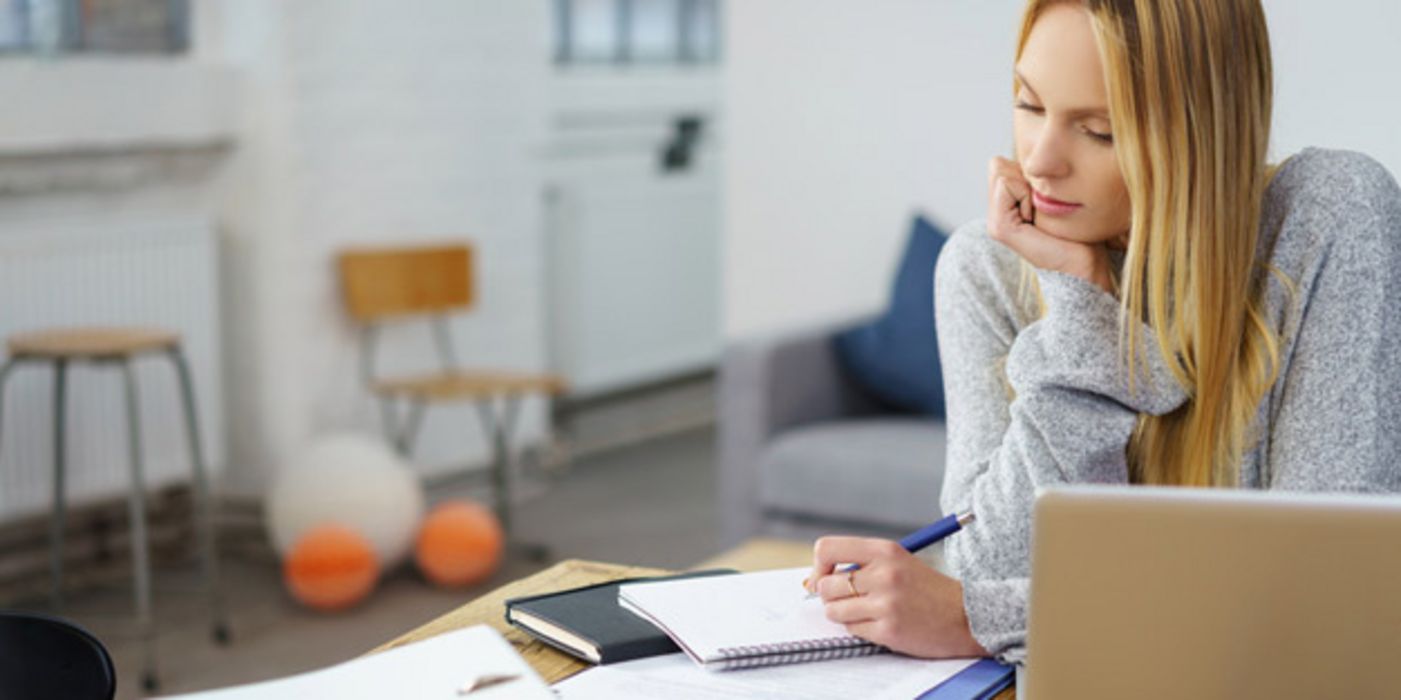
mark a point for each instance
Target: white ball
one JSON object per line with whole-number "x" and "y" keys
{"x": 352, "y": 480}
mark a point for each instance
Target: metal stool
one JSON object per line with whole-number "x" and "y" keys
{"x": 108, "y": 346}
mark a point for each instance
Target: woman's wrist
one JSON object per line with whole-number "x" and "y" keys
{"x": 1094, "y": 268}
{"x": 969, "y": 644}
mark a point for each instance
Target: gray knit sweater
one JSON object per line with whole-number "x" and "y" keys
{"x": 1331, "y": 422}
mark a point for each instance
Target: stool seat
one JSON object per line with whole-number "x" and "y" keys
{"x": 468, "y": 385}
{"x": 90, "y": 343}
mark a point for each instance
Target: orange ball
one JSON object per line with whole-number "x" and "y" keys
{"x": 459, "y": 544}
{"x": 331, "y": 567}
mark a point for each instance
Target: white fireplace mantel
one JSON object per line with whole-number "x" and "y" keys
{"x": 65, "y": 104}
{"x": 86, "y": 123}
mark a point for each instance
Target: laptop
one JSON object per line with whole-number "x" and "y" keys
{"x": 1145, "y": 593}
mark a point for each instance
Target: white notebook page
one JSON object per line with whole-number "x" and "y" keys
{"x": 705, "y": 615}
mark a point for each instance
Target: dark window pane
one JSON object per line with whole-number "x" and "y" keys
{"x": 564, "y": 21}
{"x": 133, "y": 26}
{"x": 13, "y": 34}
{"x": 702, "y": 27}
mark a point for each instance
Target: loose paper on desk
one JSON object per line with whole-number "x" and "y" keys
{"x": 433, "y": 669}
{"x": 675, "y": 677}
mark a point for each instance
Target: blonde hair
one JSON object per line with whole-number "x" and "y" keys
{"x": 1189, "y": 100}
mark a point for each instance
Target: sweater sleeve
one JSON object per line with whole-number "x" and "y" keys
{"x": 1068, "y": 423}
{"x": 1336, "y": 423}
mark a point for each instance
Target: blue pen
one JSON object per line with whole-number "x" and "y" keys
{"x": 919, "y": 539}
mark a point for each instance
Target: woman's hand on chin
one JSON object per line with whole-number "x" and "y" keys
{"x": 1011, "y": 216}
{"x": 894, "y": 599}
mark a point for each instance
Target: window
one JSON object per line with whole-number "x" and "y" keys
{"x": 636, "y": 31}
{"x": 14, "y": 25}
{"x": 99, "y": 26}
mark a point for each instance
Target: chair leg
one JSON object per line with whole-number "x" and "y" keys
{"x": 204, "y": 504}
{"x": 498, "y": 443}
{"x": 499, "y": 426}
{"x": 401, "y": 436}
{"x": 140, "y": 554}
{"x": 408, "y": 432}
{"x": 390, "y": 424}
{"x": 57, "y": 520}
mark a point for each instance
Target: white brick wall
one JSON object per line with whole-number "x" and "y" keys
{"x": 375, "y": 122}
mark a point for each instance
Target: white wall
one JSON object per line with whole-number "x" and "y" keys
{"x": 841, "y": 118}
{"x": 367, "y": 122}
{"x": 1335, "y": 69}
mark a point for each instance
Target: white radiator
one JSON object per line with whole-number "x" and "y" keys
{"x": 158, "y": 274}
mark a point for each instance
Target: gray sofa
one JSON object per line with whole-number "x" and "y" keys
{"x": 804, "y": 452}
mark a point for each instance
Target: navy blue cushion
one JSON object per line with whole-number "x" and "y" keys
{"x": 896, "y": 356}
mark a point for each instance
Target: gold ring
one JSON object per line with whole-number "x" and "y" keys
{"x": 851, "y": 582}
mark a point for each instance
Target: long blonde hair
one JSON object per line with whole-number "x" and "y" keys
{"x": 1189, "y": 100}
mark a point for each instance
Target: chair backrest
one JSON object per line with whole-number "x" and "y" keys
{"x": 384, "y": 283}
{"x": 48, "y": 657}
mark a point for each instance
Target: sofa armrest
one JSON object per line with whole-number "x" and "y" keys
{"x": 769, "y": 384}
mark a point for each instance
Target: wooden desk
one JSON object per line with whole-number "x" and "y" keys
{"x": 553, "y": 665}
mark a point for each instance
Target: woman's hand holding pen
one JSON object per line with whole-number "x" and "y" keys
{"x": 1011, "y": 222}
{"x": 894, "y": 599}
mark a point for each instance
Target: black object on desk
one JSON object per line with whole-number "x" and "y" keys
{"x": 587, "y": 623}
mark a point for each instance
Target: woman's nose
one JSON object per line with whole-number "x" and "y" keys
{"x": 1047, "y": 158}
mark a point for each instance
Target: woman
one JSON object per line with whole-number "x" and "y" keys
{"x": 1262, "y": 352}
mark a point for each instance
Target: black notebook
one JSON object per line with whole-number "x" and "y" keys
{"x": 588, "y": 623}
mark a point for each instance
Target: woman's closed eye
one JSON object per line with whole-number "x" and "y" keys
{"x": 1105, "y": 137}
{"x": 1028, "y": 107}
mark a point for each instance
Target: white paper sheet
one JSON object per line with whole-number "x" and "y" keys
{"x": 433, "y": 669}
{"x": 675, "y": 677}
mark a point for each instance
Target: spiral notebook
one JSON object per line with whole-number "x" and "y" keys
{"x": 744, "y": 620}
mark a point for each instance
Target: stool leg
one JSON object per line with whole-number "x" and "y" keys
{"x": 59, "y": 515}
{"x": 140, "y": 555}
{"x": 204, "y": 505}
{"x": 4, "y": 377}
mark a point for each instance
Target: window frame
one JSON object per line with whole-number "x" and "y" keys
{"x": 69, "y": 35}
{"x": 624, "y": 52}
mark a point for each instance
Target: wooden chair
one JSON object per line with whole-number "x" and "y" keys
{"x": 117, "y": 347}
{"x": 432, "y": 284}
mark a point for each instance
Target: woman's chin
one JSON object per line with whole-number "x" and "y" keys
{"x": 1068, "y": 229}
